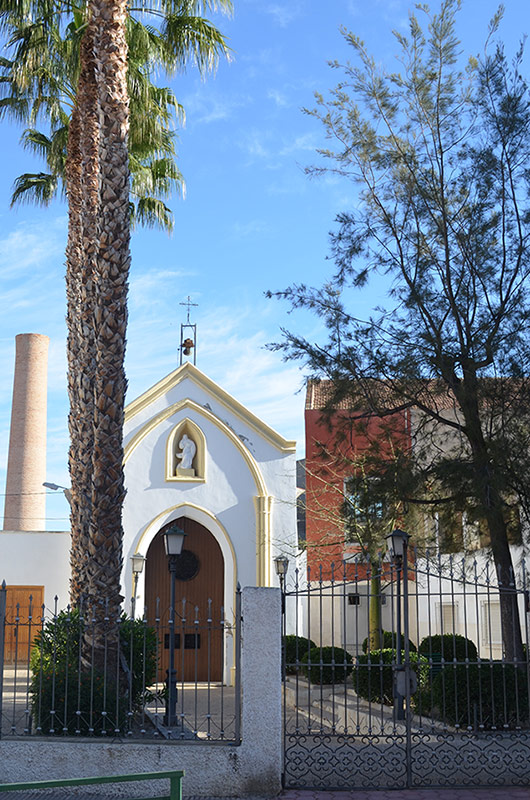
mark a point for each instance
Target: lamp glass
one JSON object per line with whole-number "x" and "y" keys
{"x": 138, "y": 562}
{"x": 173, "y": 540}
{"x": 281, "y": 564}
{"x": 398, "y": 539}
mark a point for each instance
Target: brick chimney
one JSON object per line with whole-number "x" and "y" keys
{"x": 25, "y": 503}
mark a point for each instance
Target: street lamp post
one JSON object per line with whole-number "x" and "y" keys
{"x": 173, "y": 543}
{"x": 55, "y": 486}
{"x": 138, "y": 562}
{"x": 281, "y": 565}
{"x": 398, "y": 541}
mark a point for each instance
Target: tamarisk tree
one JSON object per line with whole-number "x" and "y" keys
{"x": 440, "y": 153}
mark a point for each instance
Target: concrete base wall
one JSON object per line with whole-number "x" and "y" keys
{"x": 252, "y": 768}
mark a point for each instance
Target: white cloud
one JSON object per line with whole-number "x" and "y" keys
{"x": 266, "y": 145}
{"x": 244, "y": 230}
{"x": 265, "y": 61}
{"x": 31, "y": 246}
{"x": 279, "y": 98}
{"x": 254, "y": 144}
{"x": 283, "y": 15}
{"x": 205, "y": 106}
{"x": 149, "y": 289}
{"x": 305, "y": 142}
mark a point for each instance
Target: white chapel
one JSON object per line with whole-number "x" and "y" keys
{"x": 194, "y": 457}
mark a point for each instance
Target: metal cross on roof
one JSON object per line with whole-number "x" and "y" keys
{"x": 189, "y": 304}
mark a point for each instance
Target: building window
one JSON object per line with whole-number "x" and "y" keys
{"x": 491, "y": 633}
{"x": 354, "y": 599}
{"x": 447, "y": 618}
{"x": 359, "y": 506}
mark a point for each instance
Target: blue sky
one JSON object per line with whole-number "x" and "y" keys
{"x": 251, "y": 220}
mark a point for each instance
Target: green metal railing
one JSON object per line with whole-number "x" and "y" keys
{"x": 175, "y": 783}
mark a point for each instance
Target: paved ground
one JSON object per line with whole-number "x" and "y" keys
{"x": 495, "y": 793}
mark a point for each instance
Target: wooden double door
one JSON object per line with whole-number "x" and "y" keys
{"x": 199, "y": 633}
{"x": 23, "y": 621}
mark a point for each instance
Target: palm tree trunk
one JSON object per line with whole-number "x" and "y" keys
{"x": 107, "y": 20}
{"x": 83, "y": 181}
{"x": 73, "y": 269}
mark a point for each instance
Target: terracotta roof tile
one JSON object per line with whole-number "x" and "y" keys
{"x": 319, "y": 394}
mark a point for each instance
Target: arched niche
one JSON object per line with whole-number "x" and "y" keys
{"x": 198, "y": 471}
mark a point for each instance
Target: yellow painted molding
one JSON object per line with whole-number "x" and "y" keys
{"x": 228, "y": 432}
{"x": 263, "y": 506}
{"x": 188, "y": 370}
{"x": 155, "y": 523}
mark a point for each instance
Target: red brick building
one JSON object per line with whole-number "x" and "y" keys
{"x": 333, "y": 445}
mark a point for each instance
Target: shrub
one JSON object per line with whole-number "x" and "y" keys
{"x": 326, "y": 665}
{"x": 295, "y": 648}
{"x": 489, "y": 694}
{"x": 58, "y": 694}
{"x": 63, "y": 685}
{"x": 373, "y": 676}
{"x": 389, "y": 641}
{"x": 449, "y": 646}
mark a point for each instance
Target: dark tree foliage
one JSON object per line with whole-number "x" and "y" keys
{"x": 440, "y": 152}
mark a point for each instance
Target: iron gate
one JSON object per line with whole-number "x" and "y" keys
{"x": 392, "y": 683}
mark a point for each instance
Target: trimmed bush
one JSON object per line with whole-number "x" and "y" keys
{"x": 389, "y": 641}
{"x": 448, "y": 646}
{"x": 60, "y": 684}
{"x": 327, "y": 665}
{"x": 489, "y": 694}
{"x": 58, "y": 694}
{"x": 295, "y": 648}
{"x": 373, "y": 676}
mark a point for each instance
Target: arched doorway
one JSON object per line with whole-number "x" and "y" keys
{"x": 199, "y": 600}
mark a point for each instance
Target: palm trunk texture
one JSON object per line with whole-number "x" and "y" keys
{"x": 83, "y": 173}
{"x": 112, "y": 262}
{"x": 98, "y": 260}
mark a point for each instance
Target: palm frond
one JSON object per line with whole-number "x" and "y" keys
{"x": 152, "y": 213}
{"x": 39, "y": 188}
{"x": 39, "y": 80}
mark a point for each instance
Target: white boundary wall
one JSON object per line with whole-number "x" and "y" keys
{"x": 252, "y": 768}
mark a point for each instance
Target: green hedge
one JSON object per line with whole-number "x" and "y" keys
{"x": 59, "y": 685}
{"x": 373, "y": 676}
{"x": 295, "y": 648}
{"x": 327, "y": 665}
{"x": 389, "y": 641}
{"x": 448, "y": 646}
{"x": 489, "y": 694}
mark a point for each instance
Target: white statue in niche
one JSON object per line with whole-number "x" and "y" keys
{"x": 188, "y": 448}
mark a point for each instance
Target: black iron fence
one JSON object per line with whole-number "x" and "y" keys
{"x": 407, "y": 678}
{"x": 82, "y": 672}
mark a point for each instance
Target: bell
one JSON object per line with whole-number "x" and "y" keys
{"x": 187, "y": 345}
